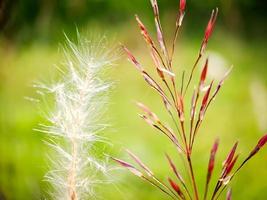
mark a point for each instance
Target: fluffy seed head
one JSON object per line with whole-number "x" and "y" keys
{"x": 76, "y": 120}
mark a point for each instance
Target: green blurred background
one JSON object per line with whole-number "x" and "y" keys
{"x": 31, "y": 31}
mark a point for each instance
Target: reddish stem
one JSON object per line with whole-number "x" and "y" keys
{"x": 192, "y": 176}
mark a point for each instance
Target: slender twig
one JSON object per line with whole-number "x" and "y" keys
{"x": 192, "y": 177}
{"x": 191, "y": 73}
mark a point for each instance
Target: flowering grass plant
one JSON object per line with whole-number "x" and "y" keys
{"x": 186, "y": 120}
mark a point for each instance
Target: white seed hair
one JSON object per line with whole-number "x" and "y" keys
{"x": 80, "y": 100}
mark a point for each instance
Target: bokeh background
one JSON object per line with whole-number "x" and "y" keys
{"x": 31, "y": 32}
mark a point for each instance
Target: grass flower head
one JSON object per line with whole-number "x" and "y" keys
{"x": 186, "y": 120}
{"x": 76, "y": 121}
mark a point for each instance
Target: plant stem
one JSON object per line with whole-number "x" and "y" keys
{"x": 192, "y": 176}
{"x": 72, "y": 172}
{"x": 159, "y": 187}
{"x": 206, "y": 190}
{"x": 191, "y": 74}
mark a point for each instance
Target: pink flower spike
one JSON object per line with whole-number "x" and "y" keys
{"x": 147, "y": 111}
{"x": 206, "y": 97}
{"x": 144, "y": 31}
{"x": 174, "y": 169}
{"x": 129, "y": 167}
{"x": 155, "y": 7}
{"x": 180, "y": 106}
{"x": 122, "y": 163}
{"x": 209, "y": 30}
{"x": 260, "y": 144}
{"x": 204, "y": 73}
{"x": 147, "y": 120}
{"x": 140, "y": 163}
{"x": 211, "y": 23}
{"x": 229, "y": 194}
{"x": 182, "y": 6}
{"x": 180, "y": 17}
{"x": 212, "y": 159}
{"x": 132, "y": 59}
{"x": 193, "y": 101}
{"x": 230, "y": 156}
{"x": 205, "y": 102}
{"x": 176, "y": 188}
{"x": 230, "y": 166}
{"x": 169, "y": 73}
{"x": 262, "y": 141}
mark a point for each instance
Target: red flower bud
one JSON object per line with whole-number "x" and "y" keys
{"x": 140, "y": 163}
{"x": 174, "y": 169}
{"x": 132, "y": 59}
{"x": 180, "y": 106}
{"x": 205, "y": 102}
{"x": 212, "y": 159}
{"x": 155, "y": 7}
{"x": 229, "y": 195}
{"x": 230, "y": 166}
{"x": 260, "y": 144}
{"x": 211, "y": 23}
{"x": 262, "y": 141}
{"x": 204, "y": 73}
{"x": 230, "y": 156}
{"x": 182, "y": 6}
{"x": 129, "y": 167}
{"x": 176, "y": 188}
{"x": 209, "y": 30}
{"x": 144, "y": 31}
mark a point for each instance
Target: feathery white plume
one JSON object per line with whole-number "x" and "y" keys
{"x": 76, "y": 120}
